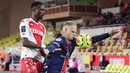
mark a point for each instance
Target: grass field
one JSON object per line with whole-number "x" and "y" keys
{"x": 10, "y": 72}
{"x": 4, "y": 72}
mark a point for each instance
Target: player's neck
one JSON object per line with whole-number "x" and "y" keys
{"x": 35, "y": 19}
{"x": 65, "y": 36}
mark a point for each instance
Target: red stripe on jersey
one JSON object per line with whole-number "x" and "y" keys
{"x": 37, "y": 29}
{"x": 66, "y": 61}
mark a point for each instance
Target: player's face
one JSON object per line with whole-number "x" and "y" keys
{"x": 71, "y": 32}
{"x": 40, "y": 12}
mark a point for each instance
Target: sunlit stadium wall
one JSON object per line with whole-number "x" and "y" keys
{"x": 11, "y": 13}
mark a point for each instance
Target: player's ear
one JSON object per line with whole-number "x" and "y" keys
{"x": 66, "y": 29}
{"x": 34, "y": 9}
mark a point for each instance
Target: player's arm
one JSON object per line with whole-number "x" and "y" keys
{"x": 29, "y": 44}
{"x": 55, "y": 45}
{"x": 100, "y": 37}
{"x": 24, "y": 33}
{"x": 103, "y": 36}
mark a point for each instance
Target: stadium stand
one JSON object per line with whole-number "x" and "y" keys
{"x": 113, "y": 44}
{"x": 116, "y": 68}
{"x": 11, "y": 44}
{"x": 117, "y": 46}
{"x": 11, "y": 41}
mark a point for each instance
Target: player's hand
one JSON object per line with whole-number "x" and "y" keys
{"x": 43, "y": 46}
{"x": 48, "y": 56}
{"x": 42, "y": 52}
{"x": 113, "y": 32}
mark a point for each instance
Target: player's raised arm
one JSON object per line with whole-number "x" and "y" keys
{"x": 85, "y": 41}
{"x": 103, "y": 36}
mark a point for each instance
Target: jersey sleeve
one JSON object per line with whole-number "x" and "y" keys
{"x": 43, "y": 37}
{"x": 24, "y": 30}
{"x": 55, "y": 45}
{"x": 100, "y": 37}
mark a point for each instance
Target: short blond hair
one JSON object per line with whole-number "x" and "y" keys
{"x": 68, "y": 24}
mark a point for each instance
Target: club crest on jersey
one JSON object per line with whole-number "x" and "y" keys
{"x": 23, "y": 29}
{"x": 58, "y": 39}
{"x": 35, "y": 31}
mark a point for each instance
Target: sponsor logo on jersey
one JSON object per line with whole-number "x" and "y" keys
{"x": 35, "y": 31}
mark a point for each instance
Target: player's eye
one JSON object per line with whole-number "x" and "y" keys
{"x": 42, "y": 9}
{"x": 73, "y": 32}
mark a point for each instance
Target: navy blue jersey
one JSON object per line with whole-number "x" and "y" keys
{"x": 61, "y": 49}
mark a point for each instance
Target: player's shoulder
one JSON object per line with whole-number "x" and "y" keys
{"x": 25, "y": 20}
{"x": 42, "y": 24}
{"x": 59, "y": 39}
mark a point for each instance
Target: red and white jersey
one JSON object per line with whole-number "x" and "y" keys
{"x": 35, "y": 32}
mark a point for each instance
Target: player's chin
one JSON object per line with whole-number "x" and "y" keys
{"x": 40, "y": 17}
{"x": 71, "y": 38}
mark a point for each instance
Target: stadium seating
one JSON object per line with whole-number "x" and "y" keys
{"x": 110, "y": 47}
{"x": 114, "y": 45}
{"x": 116, "y": 68}
{"x": 10, "y": 41}
{"x": 117, "y": 46}
{"x": 8, "y": 44}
